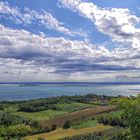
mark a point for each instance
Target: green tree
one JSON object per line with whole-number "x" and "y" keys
{"x": 131, "y": 113}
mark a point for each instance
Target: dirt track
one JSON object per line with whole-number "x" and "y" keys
{"x": 78, "y": 115}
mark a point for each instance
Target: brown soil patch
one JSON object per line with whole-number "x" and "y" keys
{"x": 77, "y": 115}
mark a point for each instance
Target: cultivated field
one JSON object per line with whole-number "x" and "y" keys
{"x": 61, "y": 133}
{"x": 49, "y": 114}
{"x": 41, "y": 115}
{"x": 77, "y": 115}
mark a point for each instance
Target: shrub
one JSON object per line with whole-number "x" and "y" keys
{"x": 66, "y": 125}
{"x": 15, "y": 131}
{"x": 113, "y": 121}
{"x": 7, "y": 119}
{"x": 131, "y": 113}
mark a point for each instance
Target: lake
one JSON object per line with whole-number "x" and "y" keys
{"x": 18, "y": 92}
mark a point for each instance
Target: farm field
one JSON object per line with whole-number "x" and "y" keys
{"x": 41, "y": 115}
{"x": 78, "y": 115}
{"x": 115, "y": 113}
{"x": 61, "y": 133}
{"x": 85, "y": 124}
{"x": 70, "y": 107}
{"x": 49, "y": 114}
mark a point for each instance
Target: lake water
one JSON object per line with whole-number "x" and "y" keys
{"x": 17, "y": 92}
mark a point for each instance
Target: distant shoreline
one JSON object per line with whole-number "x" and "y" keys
{"x": 69, "y": 83}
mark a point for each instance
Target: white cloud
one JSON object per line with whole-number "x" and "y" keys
{"x": 29, "y": 16}
{"x": 24, "y": 56}
{"x": 118, "y": 23}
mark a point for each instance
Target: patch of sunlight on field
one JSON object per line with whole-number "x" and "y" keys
{"x": 41, "y": 115}
{"x": 73, "y": 106}
{"x": 61, "y": 133}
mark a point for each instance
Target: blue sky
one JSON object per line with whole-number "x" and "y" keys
{"x": 70, "y": 40}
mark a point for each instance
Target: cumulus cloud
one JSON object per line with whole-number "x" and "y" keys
{"x": 25, "y": 55}
{"x": 41, "y": 17}
{"x": 118, "y": 23}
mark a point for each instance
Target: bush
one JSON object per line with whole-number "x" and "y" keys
{"x": 8, "y": 119}
{"x": 15, "y": 131}
{"x": 131, "y": 113}
{"x": 113, "y": 121}
{"x": 66, "y": 125}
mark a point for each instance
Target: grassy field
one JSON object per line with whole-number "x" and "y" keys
{"x": 115, "y": 113}
{"x": 74, "y": 106}
{"x": 61, "y": 133}
{"x": 41, "y": 115}
{"x": 49, "y": 114}
{"x": 85, "y": 123}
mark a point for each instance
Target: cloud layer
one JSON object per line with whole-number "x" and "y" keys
{"x": 27, "y": 56}
{"x": 23, "y": 53}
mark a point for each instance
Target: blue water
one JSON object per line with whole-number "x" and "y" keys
{"x": 17, "y": 92}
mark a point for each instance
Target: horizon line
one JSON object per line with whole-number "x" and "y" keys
{"x": 69, "y": 82}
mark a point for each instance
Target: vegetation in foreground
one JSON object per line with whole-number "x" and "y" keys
{"x": 115, "y": 133}
{"x": 88, "y": 117}
{"x": 61, "y": 133}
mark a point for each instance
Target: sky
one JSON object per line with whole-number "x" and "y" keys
{"x": 70, "y": 40}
